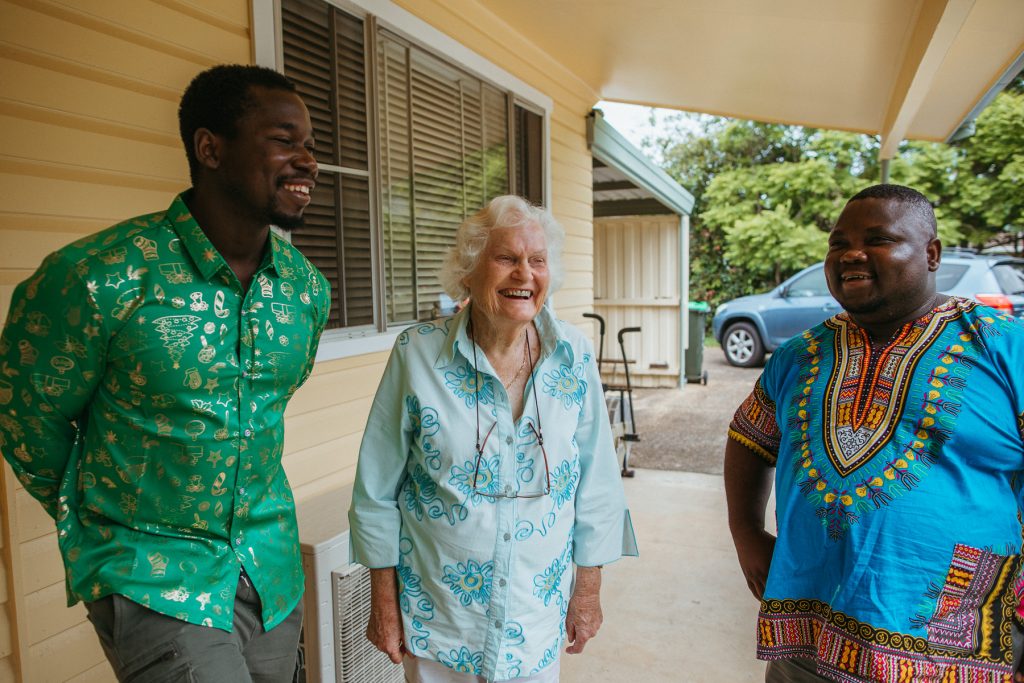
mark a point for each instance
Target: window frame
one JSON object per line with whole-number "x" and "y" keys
{"x": 268, "y": 51}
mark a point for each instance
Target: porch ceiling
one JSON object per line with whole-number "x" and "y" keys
{"x": 897, "y": 68}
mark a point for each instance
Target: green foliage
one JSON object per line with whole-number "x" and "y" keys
{"x": 766, "y": 194}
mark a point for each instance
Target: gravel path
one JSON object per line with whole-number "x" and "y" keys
{"x": 684, "y": 429}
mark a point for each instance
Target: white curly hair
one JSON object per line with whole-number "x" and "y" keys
{"x": 506, "y": 211}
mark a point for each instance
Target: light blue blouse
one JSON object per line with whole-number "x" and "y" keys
{"x": 485, "y": 582}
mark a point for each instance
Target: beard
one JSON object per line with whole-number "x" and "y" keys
{"x": 285, "y": 221}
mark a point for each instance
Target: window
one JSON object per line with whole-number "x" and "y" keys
{"x": 408, "y": 144}
{"x": 529, "y": 163}
{"x": 809, "y": 284}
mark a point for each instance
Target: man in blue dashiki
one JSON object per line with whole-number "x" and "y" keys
{"x": 485, "y": 577}
{"x": 894, "y": 430}
{"x": 144, "y": 374}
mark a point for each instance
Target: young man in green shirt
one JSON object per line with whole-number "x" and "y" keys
{"x": 144, "y": 374}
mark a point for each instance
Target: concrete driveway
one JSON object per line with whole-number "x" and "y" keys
{"x": 681, "y": 612}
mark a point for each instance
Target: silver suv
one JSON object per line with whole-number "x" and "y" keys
{"x": 751, "y": 326}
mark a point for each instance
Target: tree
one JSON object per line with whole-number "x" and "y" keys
{"x": 766, "y": 194}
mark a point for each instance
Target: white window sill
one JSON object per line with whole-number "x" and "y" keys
{"x": 337, "y": 344}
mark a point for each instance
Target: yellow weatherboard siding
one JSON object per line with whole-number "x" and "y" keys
{"x": 89, "y": 137}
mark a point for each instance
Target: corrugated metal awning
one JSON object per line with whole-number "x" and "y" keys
{"x": 626, "y": 182}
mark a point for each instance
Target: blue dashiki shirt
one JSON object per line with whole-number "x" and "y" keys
{"x": 898, "y": 487}
{"x": 484, "y": 583}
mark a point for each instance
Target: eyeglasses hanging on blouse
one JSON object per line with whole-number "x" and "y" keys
{"x": 538, "y": 431}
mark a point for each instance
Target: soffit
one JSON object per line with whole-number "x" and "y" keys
{"x": 897, "y": 68}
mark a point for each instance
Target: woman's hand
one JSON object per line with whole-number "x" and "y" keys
{"x": 385, "y": 627}
{"x": 584, "y": 617}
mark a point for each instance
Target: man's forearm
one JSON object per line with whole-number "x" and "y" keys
{"x": 748, "y": 484}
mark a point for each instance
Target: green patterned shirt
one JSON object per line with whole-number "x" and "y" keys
{"x": 142, "y": 399}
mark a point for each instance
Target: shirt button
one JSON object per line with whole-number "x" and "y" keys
{"x": 507, "y": 537}
{"x": 497, "y": 623}
{"x": 241, "y": 491}
{"x": 508, "y": 440}
{"x": 508, "y": 490}
{"x": 248, "y": 433}
{"x": 502, "y": 582}
{"x": 238, "y": 541}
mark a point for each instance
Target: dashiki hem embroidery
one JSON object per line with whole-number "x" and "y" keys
{"x": 898, "y": 487}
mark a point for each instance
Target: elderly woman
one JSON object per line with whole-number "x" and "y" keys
{"x": 487, "y": 471}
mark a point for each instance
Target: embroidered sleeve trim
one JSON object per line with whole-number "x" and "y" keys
{"x": 768, "y": 457}
{"x": 754, "y": 425}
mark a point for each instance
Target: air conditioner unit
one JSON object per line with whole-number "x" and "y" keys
{"x": 334, "y": 648}
{"x": 356, "y": 660}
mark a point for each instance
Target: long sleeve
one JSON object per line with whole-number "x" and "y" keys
{"x": 603, "y": 531}
{"x": 374, "y": 517}
{"x": 52, "y": 354}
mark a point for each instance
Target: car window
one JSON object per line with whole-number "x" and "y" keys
{"x": 1010, "y": 277}
{"x": 809, "y": 284}
{"x": 948, "y": 275}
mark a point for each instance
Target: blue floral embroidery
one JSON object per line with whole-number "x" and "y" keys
{"x": 514, "y": 633}
{"x": 413, "y": 600}
{"x": 527, "y": 437}
{"x": 513, "y": 666}
{"x": 470, "y": 581}
{"x": 548, "y": 658}
{"x": 424, "y": 328}
{"x": 420, "y": 491}
{"x": 462, "y": 660}
{"x": 470, "y": 386}
{"x": 563, "y": 483}
{"x": 566, "y": 384}
{"x": 424, "y": 424}
{"x": 421, "y": 496}
{"x": 547, "y": 584}
{"x": 486, "y": 479}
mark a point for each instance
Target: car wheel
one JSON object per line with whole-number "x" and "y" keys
{"x": 742, "y": 346}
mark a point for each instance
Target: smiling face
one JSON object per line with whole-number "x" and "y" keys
{"x": 510, "y": 282}
{"x": 268, "y": 166}
{"x": 881, "y": 263}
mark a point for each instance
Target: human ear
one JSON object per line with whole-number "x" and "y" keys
{"x": 934, "y": 254}
{"x": 207, "y": 147}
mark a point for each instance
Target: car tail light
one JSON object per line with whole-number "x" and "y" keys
{"x": 1000, "y": 302}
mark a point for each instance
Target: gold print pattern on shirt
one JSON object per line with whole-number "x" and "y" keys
{"x": 208, "y": 352}
{"x": 127, "y": 301}
{"x": 6, "y": 392}
{"x": 266, "y": 287}
{"x": 218, "y": 305}
{"x": 62, "y": 364}
{"x": 284, "y": 313}
{"x": 176, "y": 332}
{"x": 195, "y": 428}
{"x": 51, "y": 386}
{"x": 113, "y": 256}
{"x": 175, "y": 273}
{"x": 38, "y": 324}
{"x": 218, "y": 485}
{"x": 138, "y": 317}
{"x": 148, "y": 247}
{"x": 29, "y": 354}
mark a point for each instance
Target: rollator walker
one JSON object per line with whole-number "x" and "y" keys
{"x": 618, "y": 397}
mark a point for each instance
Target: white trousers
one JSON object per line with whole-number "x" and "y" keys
{"x": 419, "y": 670}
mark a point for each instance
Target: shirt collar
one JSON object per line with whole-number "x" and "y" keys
{"x": 200, "y": 249}
{"x": 458, "y": 338}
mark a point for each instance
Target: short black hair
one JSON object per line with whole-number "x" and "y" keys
{"x": 916, "y": 201}
{"x": 217, "y": 98}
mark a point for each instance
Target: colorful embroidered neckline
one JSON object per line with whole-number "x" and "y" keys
{"x": 866, "y": 395}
